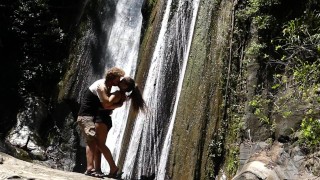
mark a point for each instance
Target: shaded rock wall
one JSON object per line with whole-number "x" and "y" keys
{"x": 199, "y": 112}
{"x": 152, "y": 15}
{"x": 85, "y": 63}
{"x": 41, "y": 131}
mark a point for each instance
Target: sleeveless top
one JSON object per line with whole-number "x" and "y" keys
{"x": 91, "y": 103}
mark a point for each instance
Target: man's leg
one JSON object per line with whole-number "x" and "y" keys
{"x": 87, "y": 128}
{"x": 90, "y": 149}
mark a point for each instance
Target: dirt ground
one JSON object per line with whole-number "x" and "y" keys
{"x": 12, "y": 168}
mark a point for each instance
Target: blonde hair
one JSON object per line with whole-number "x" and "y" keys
{"x": 113, "y": 73}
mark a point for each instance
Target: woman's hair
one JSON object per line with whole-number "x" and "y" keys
{"x": 136, "y": 96}
{"x": 113, "y": 73}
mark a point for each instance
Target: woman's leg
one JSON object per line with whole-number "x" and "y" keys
{"x": 101, "y": 136}
{"x": 97, "y": 160}
{"x": 102, "y": 132}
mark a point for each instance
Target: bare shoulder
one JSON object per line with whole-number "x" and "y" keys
{"x": 116, "y": 93}
{"x": 116, "y": 96}
{"x": 119, "y": 96}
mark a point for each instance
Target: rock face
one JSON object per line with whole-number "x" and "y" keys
{"x": 199, "y": 112}
{"x": 274, "y": 162}
{"x": 32, "y": 138}
{"x": 12, "y": 168}
{"x": 39, "y": 133}
{"x": 25, "y": 134}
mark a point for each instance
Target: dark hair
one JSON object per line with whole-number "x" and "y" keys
{"x": 136, "y": 96}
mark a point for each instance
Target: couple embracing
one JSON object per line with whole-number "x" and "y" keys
{"x": 95, "y": 121}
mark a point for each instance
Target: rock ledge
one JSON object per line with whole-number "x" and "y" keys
{"x": 12, "y": 168}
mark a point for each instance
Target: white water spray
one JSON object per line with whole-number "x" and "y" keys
{"x": 166, "y": 147}
{"x": 149, "y": 95}
{"x": 123, "y": 48}
{"x": 144, "y": 153}
{"x": 143, "y": 156}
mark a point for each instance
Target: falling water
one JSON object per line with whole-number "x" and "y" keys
{"x": 149, "y": 146}
{"x": 165, "y": 150}
{"x": 122, "y": 51}
{"x": 150, "y": 87}
{"x": 124, "y": 38}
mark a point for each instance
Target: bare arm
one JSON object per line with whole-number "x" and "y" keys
{"x": 104, "y": 95}
{"x": 109, "y": 101}
{"x": 116, "y": 105}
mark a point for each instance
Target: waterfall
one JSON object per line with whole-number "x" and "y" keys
{"x": 122, "y": 51}
{"x": 124, "y": 38}
{"x": 150, "y": 140}
{"x": 150, "y": 93}
{"x": 165, "y": 150}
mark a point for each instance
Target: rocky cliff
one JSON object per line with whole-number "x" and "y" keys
{"x": 249, "y": 104}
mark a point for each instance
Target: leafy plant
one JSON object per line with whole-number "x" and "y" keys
{"x": 259, "y": 104}
{"x": 233, "y": 160}
{"x": 298, "y": 48}
{"x": 42, "y": 43}
{"x": 310, "y": 133}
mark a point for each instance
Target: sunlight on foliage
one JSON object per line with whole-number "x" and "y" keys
{"x": 310, "y": 131}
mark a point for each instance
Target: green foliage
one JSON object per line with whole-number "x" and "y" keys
{"x": 259, "y": 105}
{"x": 233, "y": 160}
{"x": 216, "y": 152}
{"x": 41, "y": 45}
{"x": 232, "y": 146}
{"x": 254, "y": 11}
{"x": 298, "y": 50}
{"x": 300, "y": 41}
{"x": 254, "y": 7}
{"x": 283, "y": 38}
{"x": 216, "y": 146}
{"x": 255, "y": 49}
{"x": 310, "y": 133}
{"x": 306, "y": 74}
{"x": 263, "y": 22}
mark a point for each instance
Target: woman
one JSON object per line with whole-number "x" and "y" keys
{"x": 89, "y": 108}
{"x": 103, "y": 121}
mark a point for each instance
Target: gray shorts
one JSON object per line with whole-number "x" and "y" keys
{"x": 87, "y": 127}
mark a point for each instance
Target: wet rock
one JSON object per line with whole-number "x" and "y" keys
{"x": 13, "y": 168}
{"x": 312, "y": 163}
{"x": 277, "y": 163}
{"x": 25, "y": 134}
{"x": 249, "y": 148}
{"x": 256, "y": 170}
